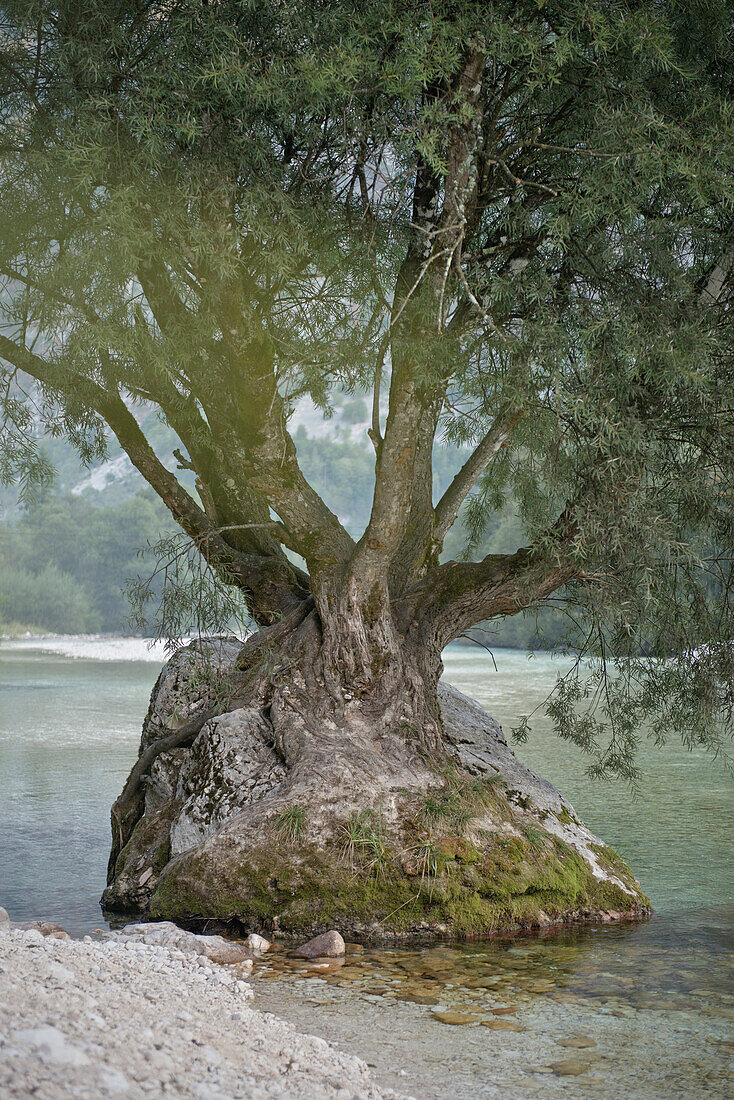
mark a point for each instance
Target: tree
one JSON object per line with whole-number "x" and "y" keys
{"x": 511, "y": 223}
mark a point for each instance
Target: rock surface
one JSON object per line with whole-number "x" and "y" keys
{"x": 258, "y": 945}
{"x": 45, "y": 927}
{"x": 84, "y": 1020}
{"x": 166, "y": 934}
{"x": 226, "y": 832}
{"x": 329, "y": 945}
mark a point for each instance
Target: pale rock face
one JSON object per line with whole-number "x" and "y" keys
{"x": 229, "y": 766}
{"x": 166, "y": 934}
{"x": 4, "y": 920}
{"x": 258, "y": 945}
{"x": 182, "y": 690}
{"x": 50, "y": 1045}
{"x": 482, "y": 749}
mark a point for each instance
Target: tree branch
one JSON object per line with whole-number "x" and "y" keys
{"x": 714, "y": 287}
{"x": 274, "y": 585}
{"x": 457, "y": 595}
{"x": 403, "y": 481}
{"x": 450, "y": 503}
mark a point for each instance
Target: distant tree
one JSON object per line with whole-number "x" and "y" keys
{"x": 51, "y": 599}
{"x": 516, "y": 216}
{"x": 99, "y": 548}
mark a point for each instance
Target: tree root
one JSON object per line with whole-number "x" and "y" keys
{"x": 178, "y": 739}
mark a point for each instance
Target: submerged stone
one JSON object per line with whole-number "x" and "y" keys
{"x": 571, "y": 1067}
{"x": 577, "y": 1042}
{"x": 456, "y": 1018}
{"x": 502, "y": 1025}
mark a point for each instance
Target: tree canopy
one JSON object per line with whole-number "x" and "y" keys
{"x": 510, "y": 225}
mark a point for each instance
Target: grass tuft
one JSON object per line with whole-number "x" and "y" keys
{"x": 291, "y": 823}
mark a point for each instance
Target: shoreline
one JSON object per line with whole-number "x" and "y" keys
{"x": 82, "y": 1019}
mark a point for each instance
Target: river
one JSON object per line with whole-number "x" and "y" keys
{"x": 655, "y": 1000}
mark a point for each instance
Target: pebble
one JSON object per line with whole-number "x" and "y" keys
{"x": 570, "y": 1067}
{"x": 455, "y": 1017}
{"x": 576, "y": 1042}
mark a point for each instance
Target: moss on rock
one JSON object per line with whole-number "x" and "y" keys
{"x": 472, "y": 891}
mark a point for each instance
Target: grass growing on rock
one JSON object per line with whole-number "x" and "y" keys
{"x": 445, "y": 886}
{"x": 458, "y": 801}
{"x": 365, "y": 840}
{"x": 291, "y": 823}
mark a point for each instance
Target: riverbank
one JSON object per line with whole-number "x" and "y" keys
{"x": 81, "y": 1020}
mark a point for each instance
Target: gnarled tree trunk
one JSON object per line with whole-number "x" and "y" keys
{"x": 322, "y": 777}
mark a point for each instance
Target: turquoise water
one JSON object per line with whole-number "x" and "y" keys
{"x": 652, "y": 1003}
{"x": 69, "y": 730}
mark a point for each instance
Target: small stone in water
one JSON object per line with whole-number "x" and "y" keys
{"x": 329, "y": 944}
{"x": 455, "y": 1017}
{"x": 258, "y": 945}
{"x": 576, "y": 1042}
{"x": 571, "y": 1067}
{"x": 502, "y": 1025}
{"x": 504, "y": 1011}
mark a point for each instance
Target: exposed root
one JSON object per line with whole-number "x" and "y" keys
{"x": 178, "y": 739}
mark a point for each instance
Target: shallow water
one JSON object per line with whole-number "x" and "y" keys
{"x": 657, "y": 1000}
{"x": 642, "y": 1012}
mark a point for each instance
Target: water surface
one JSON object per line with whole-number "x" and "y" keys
{"x": 651, "y": 1005}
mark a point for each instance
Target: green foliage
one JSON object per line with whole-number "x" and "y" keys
{"x": 217, "y": 210}
{"x": 76, "y": 558}
{"x": 50, "y": 599}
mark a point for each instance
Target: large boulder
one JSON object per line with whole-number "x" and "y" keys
{"x": 474, "y": 844}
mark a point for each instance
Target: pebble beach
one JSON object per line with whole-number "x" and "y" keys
{"x": 81, "y": 1020}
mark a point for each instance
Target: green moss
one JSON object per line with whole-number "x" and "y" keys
{"x": 567, "y": 818}
{"x": 150, "y": 842}
{"x": 459, "y": 849}
{"x": 450, "y": 885}
{"x": 611, "y": 862}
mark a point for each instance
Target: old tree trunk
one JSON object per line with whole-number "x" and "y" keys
{"x": 320, "y": 776}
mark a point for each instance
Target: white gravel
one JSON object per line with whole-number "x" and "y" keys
{"x": 83, "y": 1019}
